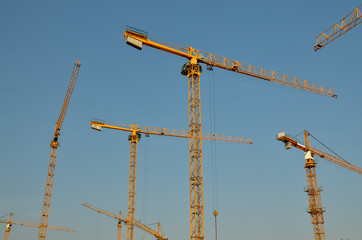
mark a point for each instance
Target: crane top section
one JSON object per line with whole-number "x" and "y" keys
{"x": 344, "y": 25}
{"x": 98, "y": 125}
{"x": 137, "y": 38}
{"x": 290, "y": 142}
{"x": 66, "y": 102}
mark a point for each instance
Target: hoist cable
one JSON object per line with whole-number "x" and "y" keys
{"x": 212, "y": 143}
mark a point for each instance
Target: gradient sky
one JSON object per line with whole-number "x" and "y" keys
{"x": 259, "y": 187}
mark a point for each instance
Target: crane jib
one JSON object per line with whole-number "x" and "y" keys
{"x": 138, "y": 38}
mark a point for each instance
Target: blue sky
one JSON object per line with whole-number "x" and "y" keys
{"x": 260, "y": 186}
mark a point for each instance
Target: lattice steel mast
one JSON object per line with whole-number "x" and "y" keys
{"x": 53, "y": 155}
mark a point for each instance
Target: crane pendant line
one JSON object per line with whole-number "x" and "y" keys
{"x": 53, "y": 155}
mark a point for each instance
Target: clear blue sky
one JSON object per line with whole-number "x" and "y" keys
{"x": 260, "y": 186}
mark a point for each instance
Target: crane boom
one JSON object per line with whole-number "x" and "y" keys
{"x": 10, "y": 222}
{"x": 53, "y": 155}
{"x": 137, "y": 38}
{"x": 66, "y": 100}
{"x": 344, "y": 25}
{"x": 38, "y": 225}
{"x": 137, "y": 223}
{"x": 319, "y": 153}
{"x": 103, "y": 212}
{"x": 98, "y": 125}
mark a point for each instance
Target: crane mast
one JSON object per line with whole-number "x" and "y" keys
{"x": 53, "y": 154}
{"x": 314, "y": 199}
{"x": 8, "y": 227}
{"x": 192, "y": 70}
{"x": 344, "y": 25}
{"x": 195, "y": 146}
{"x": 119, "y": 227}
{"x": 196, "y": 183}
{"x": 133, "y": 138}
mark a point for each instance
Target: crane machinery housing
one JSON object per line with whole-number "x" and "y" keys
{"x": 53, "y": 155}
{"x": 134, "y": 137}
{"x": 315, "y": 203}
{"x": 137, "y": 38}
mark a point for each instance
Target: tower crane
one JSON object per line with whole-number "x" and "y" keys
{"x": 134, "y": 137}
{"x": 53, "y": 155}
{"x": 10, "y": 223}
{"x": 315, "y": 203}
{"x": 137, "y": 38}
{"x": 344, "y": 25}
{"x": 138, "y": 224}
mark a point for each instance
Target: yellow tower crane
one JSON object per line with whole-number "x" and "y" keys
{"x": 315, "y": 203}
{"x": 10, "y": 223}
{"x": 134, "y": 137}
{"x": 192, "y": 70}
{"x": 145, "y": 228}
{"x": 53, "y": 155}
{"x": 344, "y": 25}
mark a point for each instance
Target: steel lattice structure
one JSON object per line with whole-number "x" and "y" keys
{"x": 53, "y": 155}
{"x": 314, "y": 199}
{"x": 344, "y": 25}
